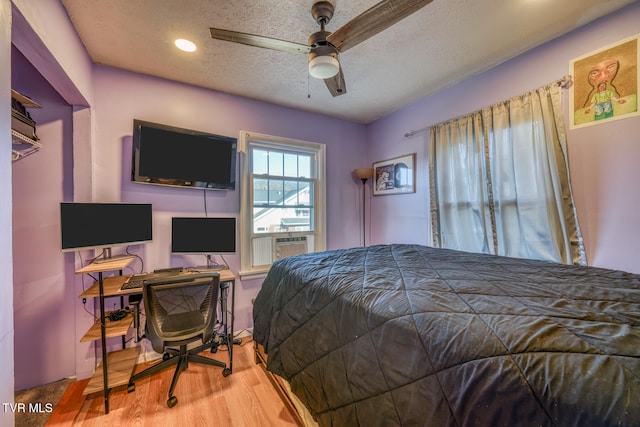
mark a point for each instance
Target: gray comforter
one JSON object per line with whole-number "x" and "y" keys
{"x": 415, "y": 336}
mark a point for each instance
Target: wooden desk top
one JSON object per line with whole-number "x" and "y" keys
{"x": 112, "y": 285}
{"x": 112, "y": 265}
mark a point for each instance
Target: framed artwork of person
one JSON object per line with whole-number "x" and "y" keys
{"x": 605, "y": 84}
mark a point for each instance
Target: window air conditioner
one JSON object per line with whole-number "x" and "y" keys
{"x": 284, "y": 247}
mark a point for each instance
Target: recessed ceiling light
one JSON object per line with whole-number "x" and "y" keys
{"x": 185, "y": 45}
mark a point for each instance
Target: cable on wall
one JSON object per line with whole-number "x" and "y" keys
{"x": 204, "y": 196}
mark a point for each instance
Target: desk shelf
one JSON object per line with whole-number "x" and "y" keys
{"x": 111, "y": 286}
{"x": 120, "y": 367}
{"x": 112, "y": 329}
{"x": 116, "y": 367}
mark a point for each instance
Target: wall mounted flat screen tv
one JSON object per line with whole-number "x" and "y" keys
{"x": 167, "y": 155}
{"x": 103, "y": 225}
{"x": 203, "y": 235}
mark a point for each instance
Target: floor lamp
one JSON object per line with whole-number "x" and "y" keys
{"x": 363, "y": 174}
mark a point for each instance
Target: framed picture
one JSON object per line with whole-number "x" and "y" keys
{"x": 395, "y": 176}
{"x": 605, "y": 84}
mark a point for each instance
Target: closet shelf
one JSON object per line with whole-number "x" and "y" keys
{"x": 24, "y": 141}
{"x": 22, "y": 146}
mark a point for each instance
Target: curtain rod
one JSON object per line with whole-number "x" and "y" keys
{"x": 565, "y": 82}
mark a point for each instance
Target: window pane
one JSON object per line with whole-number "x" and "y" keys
{"x": 276, "y": 192}
{"x": 304, "y": 166}
{"x": 265, "y": 220}
{"x": 290, "y": 165}
{"x": 280, "y": 220}
{"x": 275, "y": 163}
{"x": 292, "y": 223}
{"x": 259, "y": 161}
{"x": 260, "y": 194}
{"x": 291, "y": 191}
{"x": 305, "y": 194}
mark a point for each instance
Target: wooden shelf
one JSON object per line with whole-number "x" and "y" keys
{"x": 24, "y": 100}
{"x": 115, "y": 368}
{"x": 111, "y": 287}
{"x": 120, "y": 367}
{"x": 23, "y": 145}
{"x": 102, "y": 266}
{"x": 116, "y": 328}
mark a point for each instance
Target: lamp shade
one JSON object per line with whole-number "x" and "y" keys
{"x": 363, "y": 173}
{"x": 324, "y": 67}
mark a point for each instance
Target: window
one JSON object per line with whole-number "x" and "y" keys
{"x": 282, "y": 190}
{"x": 282, "y": 200}
{"x": 500, "y": 182}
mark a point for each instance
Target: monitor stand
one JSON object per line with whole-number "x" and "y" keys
{"x": 211, "y": 266}
{"x": 107, "y": 257}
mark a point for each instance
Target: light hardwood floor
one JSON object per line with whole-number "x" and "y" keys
{"x": 205, "y": 398}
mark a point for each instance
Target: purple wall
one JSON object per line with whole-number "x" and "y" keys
{"x": 43, "y": 300}
{"x": 122, "y": 96}
{"x": 602, "y": 158}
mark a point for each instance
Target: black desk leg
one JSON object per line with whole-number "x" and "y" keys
{"x": 226, "y": 337}
{"x": 103, "y": 341}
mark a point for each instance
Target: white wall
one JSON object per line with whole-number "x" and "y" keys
{"x": 6, "y": 266}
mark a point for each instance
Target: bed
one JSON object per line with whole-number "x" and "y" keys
{"x": 412, "y": 335}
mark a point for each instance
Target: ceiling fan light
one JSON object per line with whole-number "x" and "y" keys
{"x": 324, "y": 67}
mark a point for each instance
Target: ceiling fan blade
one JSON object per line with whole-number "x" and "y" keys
{"x": 372, "y": 21}
{"x": 259, "y": 41}
{"x": 336, "y": 84}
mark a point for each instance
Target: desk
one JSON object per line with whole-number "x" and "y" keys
{"x": 111, "y": 287}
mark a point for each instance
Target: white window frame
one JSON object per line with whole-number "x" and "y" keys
{"x": 246, "y": 141}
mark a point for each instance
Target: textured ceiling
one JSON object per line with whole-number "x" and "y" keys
{"x": 445, "y": 42}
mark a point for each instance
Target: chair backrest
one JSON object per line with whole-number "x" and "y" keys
{"x": 181, "y": 309}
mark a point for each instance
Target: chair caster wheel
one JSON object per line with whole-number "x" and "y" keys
{"x": 214, "y": 348}
{"x": 173, "y": 401}
{"x": 226, "y": 372}
{"x": 131, "y": 388}
{"x": 166, "y": 356}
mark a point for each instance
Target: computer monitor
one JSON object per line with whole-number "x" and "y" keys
{"x": 203, "y": 235}
{"x": 104, "y": 225}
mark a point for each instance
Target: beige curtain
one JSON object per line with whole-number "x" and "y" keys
{"x": 500, "y": 181}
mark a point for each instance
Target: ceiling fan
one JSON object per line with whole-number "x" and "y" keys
{"x": 324, "y": 47}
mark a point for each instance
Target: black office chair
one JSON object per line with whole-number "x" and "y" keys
{"x": 180, "y": 310}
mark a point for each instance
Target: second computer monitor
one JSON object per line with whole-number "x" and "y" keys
{"x": 199, "y": 235}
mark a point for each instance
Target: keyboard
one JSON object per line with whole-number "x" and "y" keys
{"x": 137, "y": 281}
